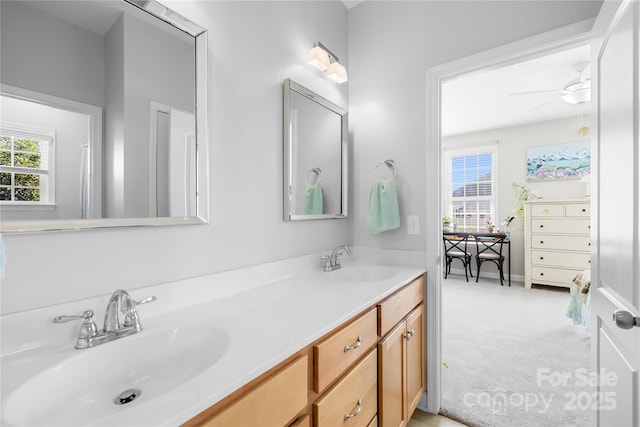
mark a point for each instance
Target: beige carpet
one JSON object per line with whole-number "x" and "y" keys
{"x": 507, "y": 352}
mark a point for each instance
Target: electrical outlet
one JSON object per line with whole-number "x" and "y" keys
{"x": 413, "y": 225}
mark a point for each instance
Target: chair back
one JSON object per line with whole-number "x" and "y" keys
{"x": 455, "y": 241}
{"x": 489, "y": 245}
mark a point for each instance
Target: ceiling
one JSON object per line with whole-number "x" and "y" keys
{"x": 486, "y": 100}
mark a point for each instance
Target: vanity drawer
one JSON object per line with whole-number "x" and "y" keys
{"x": 560, "y": 276}
{"x": 394, "y": 308}
{"x": 572, "y": 226}
{"x": 547, "y": 210}
{"x": 275, "y": 402}
{"x": 356, "y": 392}
{"x": 561, "y": 259}
{"x": 339, "y": 351}
{"x": 578, "y": 209}
{"x": 568, "y": 243}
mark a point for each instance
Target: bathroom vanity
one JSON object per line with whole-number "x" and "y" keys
{"x": 368, "y": 371}
{"x": 278, "y": 344}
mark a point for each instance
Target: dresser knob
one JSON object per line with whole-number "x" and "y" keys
{"x": 541, "y": 242}
{"x": 541, "y": 257}
{"x": 542, "y": 274}
{"x": 541, "y": 226}
{"x": 584, "y": 210}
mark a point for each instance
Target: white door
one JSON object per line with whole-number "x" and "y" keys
{"x": 616, "y": 257}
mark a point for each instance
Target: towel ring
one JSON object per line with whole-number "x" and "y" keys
{"x": 390, "y": 164}
{"x": 318, "y": 173}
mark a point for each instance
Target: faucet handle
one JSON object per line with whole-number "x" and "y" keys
{"x": 88, "y": 329}
{"x": 86, "y": 315}
{"x": 146, "y": 300}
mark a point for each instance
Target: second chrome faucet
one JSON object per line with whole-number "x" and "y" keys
{"x": 120, "y": 320}
{"x": 332, "y": 262}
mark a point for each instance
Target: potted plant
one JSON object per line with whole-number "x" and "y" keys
{"x": 446, "y": 223}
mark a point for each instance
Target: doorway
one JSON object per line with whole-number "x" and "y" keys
{"x": 547, "y": 43}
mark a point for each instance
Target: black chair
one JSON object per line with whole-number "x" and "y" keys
{"x": 455, "y": 247}
{"x": 489, "y": 248}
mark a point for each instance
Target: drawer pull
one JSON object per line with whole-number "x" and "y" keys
{"x": 541, "y": 257}
{"x": 584, "y": 210}
{"x": 355, "y": 411}
{"x": 541, "y": 242}
{"x": 541, "y": 226}
{"x": 542, "y": 274}
{"x": 410, "y": 333}
{"x": 355, "y": 345}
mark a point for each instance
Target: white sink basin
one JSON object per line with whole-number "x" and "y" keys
{"x": 84, "y": 386}
{"x": 368, "y": 273}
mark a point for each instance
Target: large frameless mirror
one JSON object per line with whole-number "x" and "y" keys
{"x": 315, "y": 155}
{"x": 102, "y": 116}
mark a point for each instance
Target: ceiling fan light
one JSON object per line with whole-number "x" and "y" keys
{"x": 579, "y": 96}
{"x": 337, "y": 72}
{"x": 319, "y": 58}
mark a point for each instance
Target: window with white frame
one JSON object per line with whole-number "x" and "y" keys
{"x": 471, "y": 187}
{"x": 26, "y": 167}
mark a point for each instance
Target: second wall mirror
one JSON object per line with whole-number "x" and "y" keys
{"x": 315, "y": 155}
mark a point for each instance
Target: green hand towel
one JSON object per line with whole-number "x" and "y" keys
{"x": 313, "y": 204}
{"x": 384, "y": 213}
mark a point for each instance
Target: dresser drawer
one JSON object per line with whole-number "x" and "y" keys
{"x": 561, "y": 276}
{"x": 561, "y": 259}
{"x": 394, "y": 308}
{"x": 275, "y": 402}
{"x": 357, "y": 393}
{"x": 339, "y": 351}
{"x": 559, "y": 226}
{"x": 547, "y": 210}
{"x": 578, "y": 210}
{"x": 567, "y": 243}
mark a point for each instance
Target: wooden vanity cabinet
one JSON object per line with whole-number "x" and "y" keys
{"x": 347, "y": 378}
{"x": 401, "y": 375}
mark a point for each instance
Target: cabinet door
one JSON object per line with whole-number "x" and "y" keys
{"x": 391, "y": 379}
{"x": 414, "y": 341}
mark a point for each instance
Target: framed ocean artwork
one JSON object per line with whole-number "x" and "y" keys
{"x": 562, "y": 161}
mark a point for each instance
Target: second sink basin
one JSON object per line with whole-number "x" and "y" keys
{"x": 368, "y": 273}
{"x": 84, "y": 386}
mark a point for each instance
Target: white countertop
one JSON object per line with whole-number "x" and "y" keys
{"x": 264, "y": 323}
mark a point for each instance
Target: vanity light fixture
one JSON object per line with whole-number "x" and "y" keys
{"x": 324, "y": 60}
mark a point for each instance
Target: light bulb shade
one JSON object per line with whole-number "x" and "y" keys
{"x": 337, "y": 72}
{"x": 319, "y": 58}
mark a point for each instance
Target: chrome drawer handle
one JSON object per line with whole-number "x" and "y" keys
{"x": 355, "y": 411}
{"x": 410, "y": 333}
{"x": 355, "y": 345}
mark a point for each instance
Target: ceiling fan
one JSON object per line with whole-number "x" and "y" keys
{"x": 576, "y": 91}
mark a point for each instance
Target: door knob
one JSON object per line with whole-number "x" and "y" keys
{"x": 625, "y": 320}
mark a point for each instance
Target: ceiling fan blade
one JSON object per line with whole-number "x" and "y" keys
{"x": 544, "y": 104}
{"x": 537, "y": 91}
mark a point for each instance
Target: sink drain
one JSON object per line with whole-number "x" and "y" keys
{"x": 127, "y": 396}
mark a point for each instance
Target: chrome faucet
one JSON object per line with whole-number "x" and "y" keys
{"x": 114, "y": 327}
{"x": 332, "y": 262}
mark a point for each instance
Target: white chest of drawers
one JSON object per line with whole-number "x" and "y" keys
{"x": 556, "y": 241}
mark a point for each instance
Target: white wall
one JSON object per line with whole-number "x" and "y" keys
{"x": 32, "y": 60}
{"x": 512, "y": 168}
{"x": 253, "y": 47}
{"x": 391, "y": 46}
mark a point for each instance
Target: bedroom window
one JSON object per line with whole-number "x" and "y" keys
{"x": 26, "y": 169}
{"x": 471, "y": 187}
